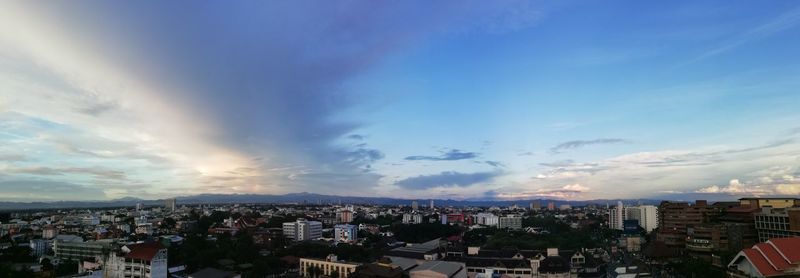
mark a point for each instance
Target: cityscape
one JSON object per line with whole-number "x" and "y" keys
{"x": 399, "y": 139}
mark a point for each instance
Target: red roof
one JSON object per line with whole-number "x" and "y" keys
{"x": 759, "y": 262}
{"x": 772, "y": 255}
{"x": 789, "y": 247}
{"x": 143, "y": 251}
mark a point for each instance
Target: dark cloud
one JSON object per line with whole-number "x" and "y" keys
{"x": 267, "y": 75}
{"x": 358, "y": 137}
{"x": 494, "y": 163}
{"x": 446, "y": 179}
{"x": 98, "y": 108}
{"x": 581, "y": 143}
{"x": 453, "y": 154}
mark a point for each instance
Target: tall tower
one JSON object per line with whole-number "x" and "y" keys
{"x": 431, "y": 204}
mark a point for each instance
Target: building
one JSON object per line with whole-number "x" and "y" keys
{"x": 139, "y": 206}
{"x": 510, "y": 222}
{"x": 565, "y": 207}
{"x": 414, "y": 205}
{"x": 39, "y": 247}
{"x": 486, "y": 219}
{"x": 409, "y": 218}
{"x": 536, "y": 205}
{"x": 428, "y": 251}
{"x": 385, "y": 267}
{"x": 769, "y": 202}
{"x": 344, "y": 216}
{"x": 169, "y": 205}
{"x": 302, "y": 230}
{"x": 328, "y": 266}
{"x": 141, "y": 260}
{"x": 616, "y": 217}
{"x": 49, "y": 232}
{"x": 777, "y": 222}
{"x": 77, "y": 249}
{"x": 647, "y": 216}
{"x": 431, "y": 206}
{"x": 345, "y": 233}
{"x": 439, "y": 269}
{"x": 675, "y": 217}
{"x": 551, "y": 206}
{"x": 778, "y": 257}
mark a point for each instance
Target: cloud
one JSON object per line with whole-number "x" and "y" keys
{"x": 44, "y": 190}
{"x": 569, "y": 191}
{"x": 453, "y": 154}
{"x": 581, "y": 143}
{"x": 12, "y": 157}
{"x": 446, "y": 179}
{"x": 494, "y": 163}
{"x": 774, "y": 181}
{"x": 47, "y": 171}
{"x": 782, "y": 22}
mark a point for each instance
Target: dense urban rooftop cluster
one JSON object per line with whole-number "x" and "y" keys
{"x": 754, "y": 237}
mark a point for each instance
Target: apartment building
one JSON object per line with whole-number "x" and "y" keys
{"x": 777, "y": 222}
{"x": 302, "y": 229}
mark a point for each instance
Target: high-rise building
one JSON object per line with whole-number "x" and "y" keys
{"x": 414, "y": 205}
{"x": 431, "y": 207}
{"x": 169, "y": 204}
{"x": 344, "y": 216}
{"x": 139, "y": 206}
{"x": 345, "y": 233}
{"x": 647, "y": 216}
{"x": 510, "y": 222}
{"x": 536, "y": 205}
{"x": 551, "y": 206}
{"x": 616, "y": 216}
{"x": 302, "y": 229}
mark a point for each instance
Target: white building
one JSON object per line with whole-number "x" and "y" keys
{"x": 409, "y": 218}
{"x": 647, "y": 216}
{"x": 142, "y": 260}
{"x": 510, "y": 222}
{"x": 487, "y": 219}
{"x": 616, "y": 217}
{"x": 302, "y": 229}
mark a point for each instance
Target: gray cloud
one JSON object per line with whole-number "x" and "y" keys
{"x": 453, "y": 154}
{"x": 47, "y": 171}
{"x": 446, "y": 179}
{"x": 494, "y": 163}
{"x": 581, "y": 143}
{"x": 42, "y": 190}
{"x": 12, "y": 157}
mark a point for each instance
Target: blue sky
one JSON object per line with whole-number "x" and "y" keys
{"x": 411, "y": 99}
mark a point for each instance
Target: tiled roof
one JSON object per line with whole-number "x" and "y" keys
{"x": 789, "y": 247}
{"x": 775, "y": 257}
{"x": 759, "y": 262}
{"x": 144, "y": 251}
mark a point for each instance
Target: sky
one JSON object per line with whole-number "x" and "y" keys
{"x": 468, "y": 100}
